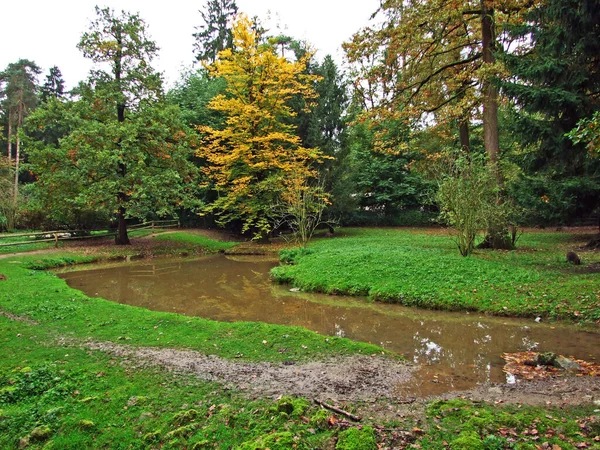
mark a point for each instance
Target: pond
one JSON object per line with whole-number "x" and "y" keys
{"x": 455, "y": 350}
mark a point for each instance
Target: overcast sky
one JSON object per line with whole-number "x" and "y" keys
{"x": 47, "y": 32}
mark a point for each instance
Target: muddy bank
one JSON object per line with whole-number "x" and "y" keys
{"x": 375, "y": 383}
{"x": 347, "y": 378}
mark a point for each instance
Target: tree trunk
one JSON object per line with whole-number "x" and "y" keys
{"x": 16, "y": 188}
{"x": 122, "y": 238}
{"x": 9, "y": 150}
{"x": 490, "y": 93}
{"x": 465, "y": 142}
{"x": 497, "y": 235}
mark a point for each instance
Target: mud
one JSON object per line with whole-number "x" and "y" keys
{"x": 18, "y": 318}
{"x": 347, "y": 378}
{"x": 372, "y": 383}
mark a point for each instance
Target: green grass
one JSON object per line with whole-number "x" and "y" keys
{"x": 204, "y": 242}
{"x": 57, "y": 395}
{"x": 67, "y": 397}
{"x": 423, "y": 269}
{"x": 76, "y": 399}
{"x": 463, "y": 425}
{"x": 7, "y": 239}
{"x": 60, "y": 397}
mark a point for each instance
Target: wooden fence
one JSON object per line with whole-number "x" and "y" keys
{"x": 67, "y": 235}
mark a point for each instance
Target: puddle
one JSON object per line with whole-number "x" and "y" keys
{"x": 456, "y": 351}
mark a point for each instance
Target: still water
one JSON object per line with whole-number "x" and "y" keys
{"x": 455, "y": 350}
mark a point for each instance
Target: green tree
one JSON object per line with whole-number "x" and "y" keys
{"x": 248, "y": 160}
{"x": 322, "y": 123}
{"x": 555, "y": 84}
{"x": 122, "y": 44}
{"x": 215, "y": 34}
{"x": 385, "y": 184}
{"x": 18, "y": 91}
{"x": 193, "y": 93}
{"x": 54, "y": 86}
{"x": 124, "y": 151}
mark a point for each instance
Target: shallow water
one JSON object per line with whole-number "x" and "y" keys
{"x": 456, "y": 350}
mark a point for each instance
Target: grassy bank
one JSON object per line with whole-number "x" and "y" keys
{"x": 55, "y": 394}
{"x": 204, "y": 242}
{"x": 423, "y": 268}
{"x": 57, "y": 397}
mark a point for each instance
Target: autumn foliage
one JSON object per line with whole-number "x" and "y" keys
{"x": 249, "y": 159}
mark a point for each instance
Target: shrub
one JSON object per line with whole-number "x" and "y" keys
{"x": 470, "y": 201}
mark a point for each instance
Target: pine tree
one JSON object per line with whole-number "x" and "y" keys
{"x": 555, "y": 85}
{"x": 215, "y": 34}
{"x": 19, "y": 97}
{"x": 54, "y": 86}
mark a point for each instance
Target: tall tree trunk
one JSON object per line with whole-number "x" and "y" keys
{"x": 8, "y": 138}
{"x": 17, "y": 155}
{"x": 490, "y": 93}
{"x": 122, "y": 237}
{"x": 497, "y": 235}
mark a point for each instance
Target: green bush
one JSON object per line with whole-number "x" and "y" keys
{"x": 470, "y": 202}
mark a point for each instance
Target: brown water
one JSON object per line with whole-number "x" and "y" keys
{"x": 456, "y": 350}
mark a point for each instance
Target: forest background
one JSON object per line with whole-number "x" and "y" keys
{"x": 498, "y": 100}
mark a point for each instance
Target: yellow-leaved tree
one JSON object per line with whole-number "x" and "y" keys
{"x": 250, "y": 161}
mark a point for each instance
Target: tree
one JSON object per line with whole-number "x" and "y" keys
{"x": 434, "y": 63}
{"x": 121, "y": 42}
{"x": 147, "y": 175}
{"x": 554, "y": 85}
{"x": 123, "y": 149}
{"x": 193, "y": 94}
{"x": 323, "y": 123}
{"x": 215, "y": 34}
{"x": 248, "y": 160}
{"x": 54, "y": 86}
{"x": 19, "y": 96}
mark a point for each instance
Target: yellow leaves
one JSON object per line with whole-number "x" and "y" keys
{"x": 250, "y": 160}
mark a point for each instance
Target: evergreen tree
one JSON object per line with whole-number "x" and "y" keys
{"x": 18, "y": 93}
{"x": 325, "y": 127}
{"x": 54, "y": 86}
{"x": 556, "y": 84}
{"x": 215, "y": 34}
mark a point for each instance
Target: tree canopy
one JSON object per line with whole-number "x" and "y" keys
{"x": 249, "y": 159}
{"x": 123, "y": 151}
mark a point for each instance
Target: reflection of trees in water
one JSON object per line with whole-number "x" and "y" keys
{"x": 460, "y": 346}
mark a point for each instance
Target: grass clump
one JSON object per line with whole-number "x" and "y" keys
{"x": 422, "y": 268}
{"x": 187, "y": 238}
{"x": 357, "y": 439}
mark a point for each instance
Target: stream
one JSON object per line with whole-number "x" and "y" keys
{"x": 455, "y": 351}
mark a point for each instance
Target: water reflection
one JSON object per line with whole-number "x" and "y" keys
{"x": 455, "y": 350}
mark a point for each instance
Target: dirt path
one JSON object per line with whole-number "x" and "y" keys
{"x": 370, "y": 380}
{"x": 33, "y": 252}
{"x": 345, "y": 378}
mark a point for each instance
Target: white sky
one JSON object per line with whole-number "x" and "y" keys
{"x": 47, "y": 32}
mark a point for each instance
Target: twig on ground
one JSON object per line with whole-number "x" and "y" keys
{"x": 338, "y": 410}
